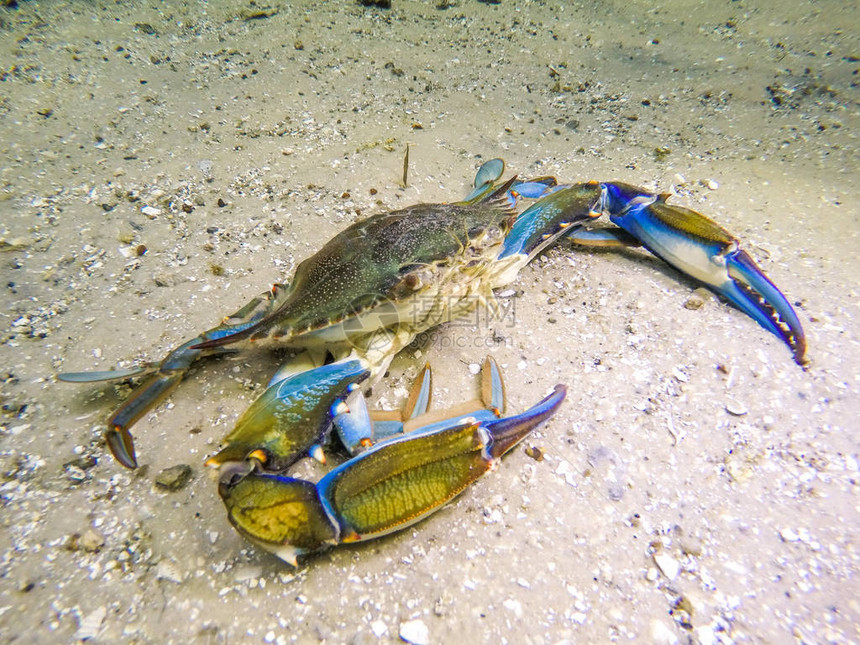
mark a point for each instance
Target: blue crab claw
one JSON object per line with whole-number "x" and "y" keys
{"x": 699, "y": 247}
{"x": 292, "y": 418}
{"x": 390, "y": 487}
{"x": 167, "y": 374}
{"x": 751, "y": 291}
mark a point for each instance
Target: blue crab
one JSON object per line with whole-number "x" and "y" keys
{"x": 367, "y": 294}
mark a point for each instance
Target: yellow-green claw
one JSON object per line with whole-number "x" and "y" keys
{"x": 389, "y": 487}
{"x": 280, "y": 514}
{"x": 292, "y": 418}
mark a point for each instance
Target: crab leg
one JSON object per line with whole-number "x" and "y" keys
{"x": 491, "y": 171}
{"x": 167, "y": 374}
{"x": 388, "y": 488}
{"x": 359, "y": 428}
{"x": 699, "y": 247}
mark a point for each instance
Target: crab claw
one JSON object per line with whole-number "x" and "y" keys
{"x": 292, "y": 417}
{"x": 118, "y": 436}
{"x": 699, "y": 247}
{"x": 387, "y": 488}
{"x": 751, "y": 291}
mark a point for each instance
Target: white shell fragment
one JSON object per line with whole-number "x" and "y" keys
{"x": 378, "y": 628}
{"x": 167, "y": 570}
{"x": 91, "y": 624}
{"x": 415, "y": 632}
{"x": 735, "y": 408}
{"x": 788, "y": 535}
{"x": 661, "y": 634}
{"x": 668, "y": 565}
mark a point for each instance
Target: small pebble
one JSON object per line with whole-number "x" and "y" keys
{"x": 26, "y": 586}
{"x": 163, "y": 280}
{"x": 174, "y": 478}
{"x": 694, "y": 302}
{"x": 151, "y": 211}
{"x": 415, "y": 632}
{"x": 698, "y": 298}
{"x": 712, "y": 184}
{"x": 515, "y": 606}
{"x": 691, "y": 546}
{"x": 167, "y": 570}
{"x": 75, "y": 473}
{"x": 534, "y": 452}
{"x": 680, "y": 375}
{"x": 91, "y": 541}
{"x": 248, "y": 573}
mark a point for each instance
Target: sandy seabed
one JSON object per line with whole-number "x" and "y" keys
{"x": 163, "y": 164}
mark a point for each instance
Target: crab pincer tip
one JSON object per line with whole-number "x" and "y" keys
{"x": 316, "y": 452}
{"x": 121, "y": 444}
